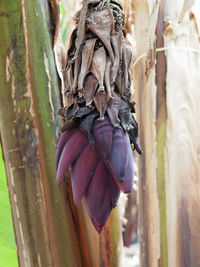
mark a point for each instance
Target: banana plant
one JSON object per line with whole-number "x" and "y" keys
{"x": 49, "y": 229}
{"x": 8, "y": 253}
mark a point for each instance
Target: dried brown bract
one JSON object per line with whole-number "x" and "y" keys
{"x": 90, "y": 86}
{"x": 99, "y": 71}
{"x": 101, "y": 23}
{"x": 98, "y": 66}
{"x": 87, "y": 54}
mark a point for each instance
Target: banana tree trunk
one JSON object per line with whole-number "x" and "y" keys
{"x": 29, "y": 100}
{"x": 168, "y": 97}
{"x": 49, "y": 229}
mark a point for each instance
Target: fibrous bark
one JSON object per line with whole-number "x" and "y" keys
{"x": 168, "y": 169}
{"x": 29, "y": 129}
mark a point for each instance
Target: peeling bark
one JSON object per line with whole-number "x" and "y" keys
{"x": 168, "y": 108}
{"x": 29, "y": 129}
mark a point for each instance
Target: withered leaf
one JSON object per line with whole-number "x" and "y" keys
{"x": 77, "y": 69}
{"x": 113, "y": 109}
{"x": 116, "y": 44}
{"x": 90, "y": 86}
{"x": 101, "y": 101}
{"x": 87, "y": 53}
{"x": 126, "y": 57}
{"x": 98, "y": 66}
{"x": 107, "y": 78}
{"x": 101, "y": 23}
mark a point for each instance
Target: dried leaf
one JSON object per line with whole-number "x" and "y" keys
{"x": 107, "y": 78}
{"x": 98, "y": 66}
{"x": 81, "y": 29}
{"x": 87, "y": 54}
{"x": 90, "y": 86}
{"x": 116, "y": 44}
{"x": 101, "y": 103}
{"x": 126, "y": 58}
{"x": 101, "y": 23}
{"x": 113, "y": 109}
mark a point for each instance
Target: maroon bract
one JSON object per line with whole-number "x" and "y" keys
{"x": 97, "y": 173}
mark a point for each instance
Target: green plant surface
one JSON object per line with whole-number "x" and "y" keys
{"x": 8, "y": 253}
{"x": 64, "y": 23}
